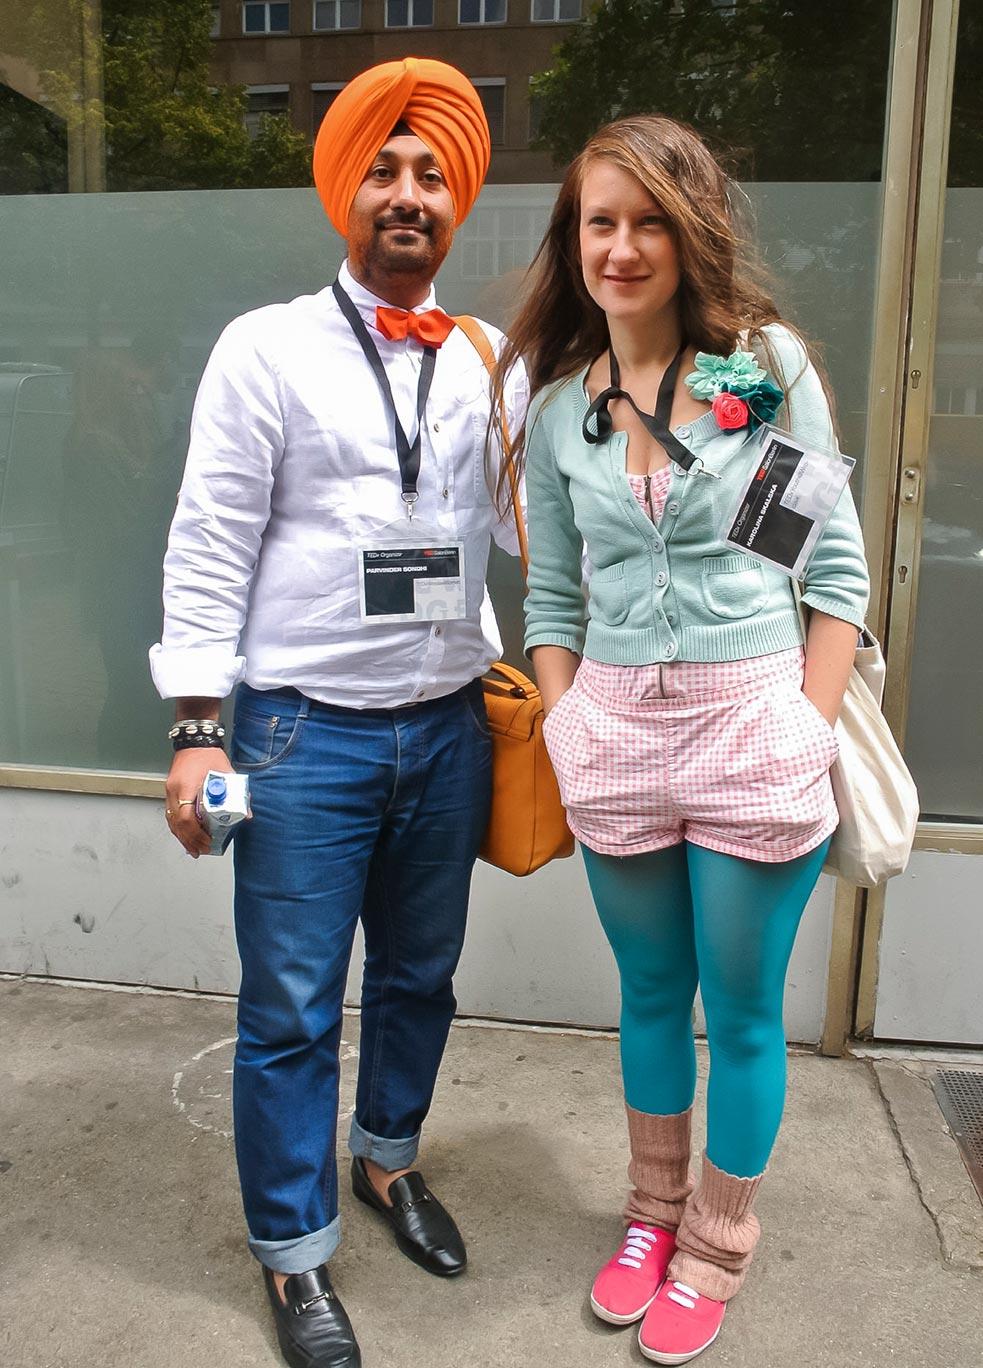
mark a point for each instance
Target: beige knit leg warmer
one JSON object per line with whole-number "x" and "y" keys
{"x": 659, "y": 1167}
{"x": 717, "y": 1234}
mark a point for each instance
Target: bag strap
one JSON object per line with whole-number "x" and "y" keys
{"x": 479, "y": 339}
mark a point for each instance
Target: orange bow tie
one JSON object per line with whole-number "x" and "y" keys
{"x": 431, "y": 328}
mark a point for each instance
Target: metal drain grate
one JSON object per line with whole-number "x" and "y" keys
{"x": 960, "y": 1095}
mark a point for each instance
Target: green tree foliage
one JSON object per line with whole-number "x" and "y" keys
{"x": 165, "y": 125}
{"x": 794, "y": 88}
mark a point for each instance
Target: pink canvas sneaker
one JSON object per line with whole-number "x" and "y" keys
{"x": 626, "y": 1285}
{"x": 679, "y": 1324}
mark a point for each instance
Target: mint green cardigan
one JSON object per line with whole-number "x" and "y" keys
{"x": 676, "y": 591}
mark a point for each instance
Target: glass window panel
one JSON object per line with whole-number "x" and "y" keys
{"x": 944, "y": 737}
{"x": 254, "y": 17}
{"x": 569, "y": 10}
{"x": 495, "y": 11}
{"x": 325, "y": 14}
{"x": 321, "y": 102}
{"x": 351, "y": 14}
{"x": 493, "y": 101}
{"x": 422, "y": 12}
{"x": 279, "y": 18}
{"x": 118, "y": 298}
{"x": 470, "y": 12}
{"x": 397, "y": 13}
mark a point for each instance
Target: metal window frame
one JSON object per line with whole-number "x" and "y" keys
{"x": 912, "y": 226}
{"x": 338, "y": 28}
{"x": 483, "y": 22}
{"x": 410, "y": 6}
{"x": 266, "y": 32}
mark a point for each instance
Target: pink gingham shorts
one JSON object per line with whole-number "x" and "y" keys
{"x": 729, "y": 756}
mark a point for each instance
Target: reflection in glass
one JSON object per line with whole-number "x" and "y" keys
{"x": 944, "y": 739}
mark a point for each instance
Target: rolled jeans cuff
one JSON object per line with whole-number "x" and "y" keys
{"x": 301, "y": 1254}
{"x": 388, "y": 1154}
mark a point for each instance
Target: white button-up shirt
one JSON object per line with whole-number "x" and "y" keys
{"x": 292, "y": 464}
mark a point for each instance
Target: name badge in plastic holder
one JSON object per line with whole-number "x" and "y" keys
{"x": 786, "y": 500}
{"x": 411, "y": 579}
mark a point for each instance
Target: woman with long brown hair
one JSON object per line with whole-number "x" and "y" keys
{"x": 690, "y": 730}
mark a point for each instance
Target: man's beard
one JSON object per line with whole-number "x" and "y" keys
{"x": 379, "y": 254}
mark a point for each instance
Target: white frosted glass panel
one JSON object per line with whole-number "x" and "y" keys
{"x": 109, "y": 305}
{"x": 944, "y": 740}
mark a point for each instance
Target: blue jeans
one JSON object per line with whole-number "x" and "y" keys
{"x": 374, "y": 814}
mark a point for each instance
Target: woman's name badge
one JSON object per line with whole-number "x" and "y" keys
{"x": 789, "y": 497}
{"x": 404, "y": 581}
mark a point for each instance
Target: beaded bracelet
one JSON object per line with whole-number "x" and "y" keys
{"x": 197, "y": 732}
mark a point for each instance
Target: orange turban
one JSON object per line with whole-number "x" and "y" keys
{"x": 438, "y": 103}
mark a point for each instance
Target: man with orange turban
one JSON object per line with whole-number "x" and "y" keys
{"x": 328, "y": 556}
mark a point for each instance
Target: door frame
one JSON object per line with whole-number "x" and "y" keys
{"x": 896, "y": 441}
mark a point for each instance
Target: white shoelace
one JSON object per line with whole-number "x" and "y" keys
{"x": 638, "y": 1243}
{"x": 684, "y": 1295}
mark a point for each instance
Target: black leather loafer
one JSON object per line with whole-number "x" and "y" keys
{"x": 313, "y": 1328}
{"x": 424, "y": 1231}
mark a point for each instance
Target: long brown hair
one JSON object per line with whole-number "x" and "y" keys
{"x": 559, "y": 328}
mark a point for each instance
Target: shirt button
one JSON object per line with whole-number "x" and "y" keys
{"x": 437, "y": 631}
{"x": 670, "y": 650}
{"x": 445, "y": 493}
{"x": 661, "y": 578}
{"x": 672, "y": 508}
{"x": 420, "y": 693}
{"x": 436, "y": 427}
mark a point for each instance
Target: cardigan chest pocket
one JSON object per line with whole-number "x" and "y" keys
{"x": 608, "y": 594}
{"x": 733, "y": 586}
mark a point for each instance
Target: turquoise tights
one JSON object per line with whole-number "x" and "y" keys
{"x": 687, "y": 916}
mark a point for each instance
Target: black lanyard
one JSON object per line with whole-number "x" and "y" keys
{"x": 656, "y": 423}
{"x": 407, "y": 454}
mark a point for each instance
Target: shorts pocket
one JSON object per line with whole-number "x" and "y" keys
{"x": 557, "y": 707}
{"x": 733, "y": 586}
{"x": 608, "y": 595}
{"x": 816, "y": 720}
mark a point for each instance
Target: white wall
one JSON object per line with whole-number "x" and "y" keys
{"x": 93, "y": 887}
{"x": 931, "y": 952}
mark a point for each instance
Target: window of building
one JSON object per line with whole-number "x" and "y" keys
{"x": 264, "y": 16}
{"x": 482, "y": 11}
{"x": 216, "y": 29}
{"x": 491, "y": 93}
{"x": 330, "y": 15}
{"x": 409, "y": 13}
{"x": 265, "y": 99}
{"x": 323, "y": 96}
{"x": 556, "y": 11}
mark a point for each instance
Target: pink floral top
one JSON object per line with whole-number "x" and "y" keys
{"x": 651, "y": 491}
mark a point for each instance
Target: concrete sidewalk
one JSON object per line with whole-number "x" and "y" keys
{"x": 121, "y": 1235}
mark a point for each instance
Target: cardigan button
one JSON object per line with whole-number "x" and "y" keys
{"x": 672, "y": 508}
{"x": 683, "y": 432}
{"x": 661, "y": 578}
{"x": 670, "y": 650}
{"x": 657, "y": 544}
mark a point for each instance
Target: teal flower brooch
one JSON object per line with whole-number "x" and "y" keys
{"x": 739, "y": 392}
